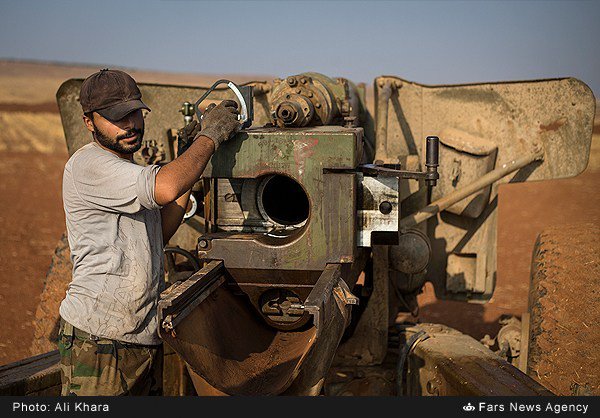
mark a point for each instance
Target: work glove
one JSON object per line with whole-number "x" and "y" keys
{"x": 219, "y": 122}
{"x": 186, "y": 136}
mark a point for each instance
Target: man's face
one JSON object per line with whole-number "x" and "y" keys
{"x": 123, "y": 136}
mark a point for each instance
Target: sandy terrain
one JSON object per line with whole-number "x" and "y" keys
{"x": 32, "y": 219}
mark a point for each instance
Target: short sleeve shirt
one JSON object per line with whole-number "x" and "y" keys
{"x": 115, "y": 236}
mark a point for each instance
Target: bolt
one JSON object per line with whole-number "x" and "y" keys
{"x": 381, "y": 83}
{"x": 292, "y": 81}
{"x": 310, "y": 94}
{"x": 203, "y": 243}
{"x": 318, "y": 105}
{"x": 398, "y": 84}
{"x": 303, "y": 80}
{"x": 298, "y": 91}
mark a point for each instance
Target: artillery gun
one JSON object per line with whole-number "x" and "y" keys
{"x": 325, "y": 216}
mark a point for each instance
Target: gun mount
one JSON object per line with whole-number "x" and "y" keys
{"x": 320, "y": 222}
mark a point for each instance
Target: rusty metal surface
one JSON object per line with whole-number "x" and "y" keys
{"x": 181, "y": 298}
{"x": 481, "y": 127}
{"x": 329, "y": 304}
{"x": 279, "y": 265}
{"x": 311, "y": 99}
{"x": 367, "y": 342}
{"x": 232, "y": 350}
{"x": 445, "y": 362}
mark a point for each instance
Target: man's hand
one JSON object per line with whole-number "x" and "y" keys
{"x": 186, "y": 136}
{"x": 220, "y": 122}
{"x": 176, "y": 178}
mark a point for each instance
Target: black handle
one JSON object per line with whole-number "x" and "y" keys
{"x": 432, "y": 159}
{"x": 432, "y": 155}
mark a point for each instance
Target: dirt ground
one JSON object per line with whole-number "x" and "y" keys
{"x": 32, "y": 219}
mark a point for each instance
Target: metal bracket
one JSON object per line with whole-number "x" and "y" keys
{"x": 329, "y": 286}
{"x": 393, "y": 170}
{"x": 176, "y": 303}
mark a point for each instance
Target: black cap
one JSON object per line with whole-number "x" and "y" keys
{"x": 111, "y": 93}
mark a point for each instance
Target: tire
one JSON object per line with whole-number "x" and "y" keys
{"x": 564, "y": 308}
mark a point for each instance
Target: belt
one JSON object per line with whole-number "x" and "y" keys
{"x": 71, "y": 331}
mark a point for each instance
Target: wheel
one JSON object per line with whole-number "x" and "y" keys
{"x": 564, "y": 308}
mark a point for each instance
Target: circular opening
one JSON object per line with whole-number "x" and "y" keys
{"x": 385, "y": 207}
{"x": 283, "y": 201}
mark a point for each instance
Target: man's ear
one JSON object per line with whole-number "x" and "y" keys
{"x": 88, "y": 123}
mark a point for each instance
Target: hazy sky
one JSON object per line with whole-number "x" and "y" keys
{"x": 428, "y": 42}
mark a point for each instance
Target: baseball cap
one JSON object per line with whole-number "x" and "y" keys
{"x": 111, "y": 93}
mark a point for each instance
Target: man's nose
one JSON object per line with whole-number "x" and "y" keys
{"x": 127, "y": 122}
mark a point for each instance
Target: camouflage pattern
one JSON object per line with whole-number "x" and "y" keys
{"x": 91, "y": 366}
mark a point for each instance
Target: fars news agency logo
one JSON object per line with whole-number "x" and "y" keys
{"x": 468, "y": 407}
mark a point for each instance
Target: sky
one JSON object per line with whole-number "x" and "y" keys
{"x": 429, "y": 42}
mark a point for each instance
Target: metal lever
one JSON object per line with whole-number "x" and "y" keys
{"x": 244, "y": 95}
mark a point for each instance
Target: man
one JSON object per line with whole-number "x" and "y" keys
{"x": 119, "y": 215}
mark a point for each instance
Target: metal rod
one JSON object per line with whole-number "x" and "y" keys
{"x": 450, "y": 363}
{"x": 445, "y": 202}
{"x": 383, "y": 100}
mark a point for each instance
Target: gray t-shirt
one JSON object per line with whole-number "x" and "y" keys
{"x": 115, "y": 236}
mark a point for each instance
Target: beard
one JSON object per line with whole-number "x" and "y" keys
{"x": 117, "y": 144}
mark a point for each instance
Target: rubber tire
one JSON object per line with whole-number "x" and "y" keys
{"x": 564, "y": 308}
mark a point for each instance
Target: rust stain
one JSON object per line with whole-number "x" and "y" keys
{"x": 553, "y": 126}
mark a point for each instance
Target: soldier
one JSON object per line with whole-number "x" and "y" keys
{"x": 119, "y": 215}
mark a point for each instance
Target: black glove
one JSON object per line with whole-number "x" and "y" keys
{"x": 220, "y": 122}
{"x": 186, "y": 136}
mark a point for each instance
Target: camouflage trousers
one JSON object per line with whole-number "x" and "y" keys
{"x": 91, "y": 366}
